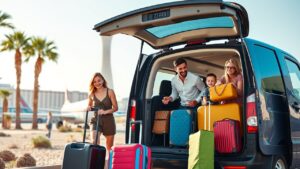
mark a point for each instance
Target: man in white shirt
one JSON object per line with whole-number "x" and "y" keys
{"x": 186, "y": 85}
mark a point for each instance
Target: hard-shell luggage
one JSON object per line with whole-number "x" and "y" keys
{"x": 84, "y": 155}
{"x": 227, "y": 136}
{"x": 217, "y": 113}
{"x": 201, "y": 150}
{"x": 223, "y": 92}
{"x": 180, "y": 127}
{"x": 130, "y": 156}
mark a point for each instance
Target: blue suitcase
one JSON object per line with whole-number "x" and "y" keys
{"x": 180, "y": 127}
{"x": 84, "y": 155}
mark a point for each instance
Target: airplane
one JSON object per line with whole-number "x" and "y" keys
{"x": 26, "y": 113}
{"x": 75, "y": 112}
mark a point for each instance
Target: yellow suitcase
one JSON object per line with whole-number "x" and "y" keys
{"x": 207, "y": 115}
{"x": 222, "y": 92}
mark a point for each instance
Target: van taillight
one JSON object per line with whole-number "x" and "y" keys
{"x": 234, "y": 167}
{"x": 132, "y": 113}
{"x": 251, "y": 114}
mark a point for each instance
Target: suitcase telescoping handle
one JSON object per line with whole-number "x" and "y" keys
{"x": 130, "y": 132}
{"x": 205, "y": 114}
{"x": 85, "y": 124}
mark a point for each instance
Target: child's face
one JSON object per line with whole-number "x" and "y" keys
{"x": 210, "y": 81}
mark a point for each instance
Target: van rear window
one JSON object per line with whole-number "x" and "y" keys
{"x": 167, "y": 30}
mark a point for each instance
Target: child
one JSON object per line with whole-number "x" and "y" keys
{"x": 211, "y": 80}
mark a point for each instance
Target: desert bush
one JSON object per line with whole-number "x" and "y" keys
{"x": 2, "y": 164}
{"x": 65, "y": 128}
{"x": 120, "y": 120}
{"x": 7, "y": 121}
{"x": 71, "y": 138}
{"x": 41, "y": 142}
{"x": 4, "y": 135}
{"x": 7, "y": 155}
{"x": 77, "y": 129}
{"x": 26, "y": 161}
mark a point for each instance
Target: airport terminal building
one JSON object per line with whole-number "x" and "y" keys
{"x": 48, "y": 100}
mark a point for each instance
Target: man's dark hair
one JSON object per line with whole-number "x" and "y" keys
{"x": 211, "y": 74}
{"x": 179, "y": 61}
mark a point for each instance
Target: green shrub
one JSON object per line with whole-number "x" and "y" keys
{"x": 41, "y": 142}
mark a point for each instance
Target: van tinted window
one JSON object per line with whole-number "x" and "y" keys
{"x": 294, "y": 73}
{"x": 272, "y": 96}
{"x": 266, "y": 68}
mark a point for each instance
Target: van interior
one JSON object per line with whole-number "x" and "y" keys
{"x": 200, "y": 61}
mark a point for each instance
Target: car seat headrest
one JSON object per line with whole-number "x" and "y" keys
{"x": 165, "y": 88}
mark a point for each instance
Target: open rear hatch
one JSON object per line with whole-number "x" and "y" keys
{"x": 176, "y": 23}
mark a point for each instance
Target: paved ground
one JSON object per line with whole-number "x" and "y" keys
{"x": 47, "y": 157}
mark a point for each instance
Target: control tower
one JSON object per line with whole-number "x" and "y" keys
{"x": 105, "y": 62}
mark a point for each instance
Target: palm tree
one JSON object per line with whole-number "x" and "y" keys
{"x": 44, "y": 50}
{"x": 3, "y": 17}
{"x": 16, "y": 42}
{"x": 4, "y": 94}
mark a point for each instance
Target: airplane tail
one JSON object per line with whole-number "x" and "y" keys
{"x": 24, "y": 105}
{"x": 66, "y": 97}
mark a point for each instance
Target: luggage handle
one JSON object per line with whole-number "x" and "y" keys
{"x": 205, "y": 112}
{"x": 130, "y": 132}
{"x": 222, "y": 91}
{"x": 85, "y": 124}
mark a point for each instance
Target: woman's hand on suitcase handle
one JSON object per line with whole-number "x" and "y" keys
{"x": 101, "y": 112}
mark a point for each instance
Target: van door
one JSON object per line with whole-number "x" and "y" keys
{"x": 272, "y": 106}
{"x": 291, "y": 71}
{"x": 164, "y": 25}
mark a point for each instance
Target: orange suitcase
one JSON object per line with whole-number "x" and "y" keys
{"x": 207, "y": 115}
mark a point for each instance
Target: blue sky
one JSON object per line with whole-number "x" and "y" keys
{"x": 69, "y": 24}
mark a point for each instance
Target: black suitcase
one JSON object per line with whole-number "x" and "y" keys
{"x": 84, "y": 155}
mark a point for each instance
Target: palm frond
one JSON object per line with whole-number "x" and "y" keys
{"x": 3, "y": 17}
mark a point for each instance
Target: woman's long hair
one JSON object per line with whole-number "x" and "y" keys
{"x": 92, "y": 87}
{"x": 236, "y": 66}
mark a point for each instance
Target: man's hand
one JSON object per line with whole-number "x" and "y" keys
{"x": 166, "y": 100}
{"x": 192, "y": 103}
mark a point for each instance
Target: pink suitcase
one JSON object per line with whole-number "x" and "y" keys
{"x": 130, "y": 156}
{"x": 227, "y": 136}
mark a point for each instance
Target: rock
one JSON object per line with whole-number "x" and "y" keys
{"x": 26, "y": 161}
{"x": 2, "y": 164}
{"x": 7, "y": 155}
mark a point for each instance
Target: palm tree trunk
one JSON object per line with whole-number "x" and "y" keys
{"x": 4, "y": 109}
{"x": 18, "y": 63}
{"x": 37, "y": 71}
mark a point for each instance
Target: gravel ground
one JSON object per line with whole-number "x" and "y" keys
{"x": 46, "y": 157}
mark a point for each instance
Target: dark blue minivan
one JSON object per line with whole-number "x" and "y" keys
{"x": 207, "y": 33}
